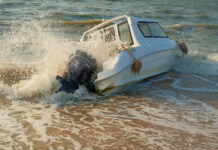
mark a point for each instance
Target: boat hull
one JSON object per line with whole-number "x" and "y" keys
{"x": 152, "y": 64}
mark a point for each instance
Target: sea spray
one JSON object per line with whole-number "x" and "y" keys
{"x": 34, "y": 46}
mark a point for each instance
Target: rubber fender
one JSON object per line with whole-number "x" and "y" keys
{"x": 183, "y": 47}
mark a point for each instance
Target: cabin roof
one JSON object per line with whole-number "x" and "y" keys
{"x": 136, "y": 19}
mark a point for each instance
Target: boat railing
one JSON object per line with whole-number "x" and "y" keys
{"x": 104, "y": 24}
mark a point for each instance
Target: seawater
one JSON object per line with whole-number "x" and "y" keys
{"x": 175, "y": 110}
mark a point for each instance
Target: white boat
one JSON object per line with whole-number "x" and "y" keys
{"x": 148, "y": 43}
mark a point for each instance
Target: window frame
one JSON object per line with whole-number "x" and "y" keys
{"x": 125, "y": 21}
{"x": 147, "y": 24}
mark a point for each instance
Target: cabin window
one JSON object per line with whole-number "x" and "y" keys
{"x": 151, "y": 29}
{"x": 144, "y": 29}
{"x": 124, "y": 32}
{"x": 110, "y": 35}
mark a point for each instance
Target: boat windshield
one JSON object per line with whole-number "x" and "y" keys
{"x": 151, "y": 29}
{"x": 124, "y": 32}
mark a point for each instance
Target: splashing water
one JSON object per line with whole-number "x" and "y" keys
{"x": 31, "y": 47}
{"x": 33, "y": 56}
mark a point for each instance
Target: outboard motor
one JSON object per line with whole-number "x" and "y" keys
{"x": 81, "y": 70}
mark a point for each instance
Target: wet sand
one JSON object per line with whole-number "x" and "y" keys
{"x": 118, "y": 122}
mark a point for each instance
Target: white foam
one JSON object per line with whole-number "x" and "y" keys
{"x": 62, "y": 98}
{"x": 5, "y": 90}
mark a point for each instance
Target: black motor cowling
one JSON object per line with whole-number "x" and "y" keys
{"x": 80, "y": 70}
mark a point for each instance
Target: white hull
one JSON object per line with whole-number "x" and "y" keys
{"x": 148, "y": 44}
{"x": 152, "y": 64}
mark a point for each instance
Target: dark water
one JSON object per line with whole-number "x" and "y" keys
{"x": 175, "y": 110}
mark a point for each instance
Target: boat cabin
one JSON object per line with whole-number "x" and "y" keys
{"x": 128, "y": 29}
